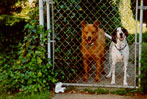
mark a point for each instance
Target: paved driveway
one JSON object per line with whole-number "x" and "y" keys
{"x": 88, "y": 96}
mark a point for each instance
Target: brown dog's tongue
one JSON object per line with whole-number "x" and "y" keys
{"x": 89, "y": 42}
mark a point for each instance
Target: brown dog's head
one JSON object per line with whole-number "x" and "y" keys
{"x": 89, "y": 32}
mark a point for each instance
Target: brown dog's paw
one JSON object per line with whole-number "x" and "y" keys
{"x": 97, "y": 79}
{"x": 103, "y": 72}
{"x": 85, "y": 78}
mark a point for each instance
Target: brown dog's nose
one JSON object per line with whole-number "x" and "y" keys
{"x": 89, "y": 38}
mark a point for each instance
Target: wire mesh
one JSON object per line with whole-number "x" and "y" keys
{"x": 110, "y": 14}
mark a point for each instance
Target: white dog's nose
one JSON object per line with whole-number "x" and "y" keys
{"x": 121, "y": 34}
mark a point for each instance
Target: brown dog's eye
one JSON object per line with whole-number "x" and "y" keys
{"x": 93, "y": 32}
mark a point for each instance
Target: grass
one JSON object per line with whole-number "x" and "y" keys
{"x": 89, "y": 90}
{"x": 96, "y": 91}
{"x": 120, "y": 91}
{"x": 42, "y": 95}
{"x": 101, "y": 91}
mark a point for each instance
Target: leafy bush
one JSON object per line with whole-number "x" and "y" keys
{"x": 143, "y": 75}
{"x": 31, "y": 71}
{"x": 11, "y": 32}
{"x": 8, "y": 6}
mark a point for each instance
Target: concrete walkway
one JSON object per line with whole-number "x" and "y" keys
{"x": 92, "y": 96}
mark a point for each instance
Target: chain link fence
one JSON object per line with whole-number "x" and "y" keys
{"x": 68, "y": 15}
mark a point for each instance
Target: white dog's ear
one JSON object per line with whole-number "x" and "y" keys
{"x": 83, "y": 24}
{"x": 125, "y": 31}
{"x": 114, "y": 36}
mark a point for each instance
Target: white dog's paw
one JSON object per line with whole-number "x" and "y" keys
{"x": 125, "y": 84}
{"x": 112, "y": 83}
{"x": 108, "y": 76}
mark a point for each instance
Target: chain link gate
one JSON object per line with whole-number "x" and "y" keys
{"x": 67, "y": 18}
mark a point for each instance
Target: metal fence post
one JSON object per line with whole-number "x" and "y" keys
{"x": 53, "y": 35}
{"x": 136, "y": 40}
{"x": 41, "y": 17}
{"x": 48, "y": 27}
{"x": 140, "y": 38}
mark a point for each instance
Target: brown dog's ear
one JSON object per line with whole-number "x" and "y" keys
{"x": 83, "y": 23}
{"x": 95, "y": 24}
{"x": 114, "y": 36}
{"x": 125, "y": 31}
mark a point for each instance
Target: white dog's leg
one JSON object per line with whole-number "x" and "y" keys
{"x": 113, "y": 73}
{"x": 110, "y": 61}
{"x": 124, "y": 70}
{"x": 110, "y": 72}
{"x": 125, "y": 74}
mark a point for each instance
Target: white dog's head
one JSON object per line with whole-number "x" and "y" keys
{"x": 119, "y": 34}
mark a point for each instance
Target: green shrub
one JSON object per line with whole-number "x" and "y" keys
{"x": 143, "y": 75}
{"x": 144, "y": 37}
{"x": 11, "y": 33}
{"x": 32, "y": 70}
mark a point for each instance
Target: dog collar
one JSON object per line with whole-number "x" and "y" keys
{"x": 120, "y": 48}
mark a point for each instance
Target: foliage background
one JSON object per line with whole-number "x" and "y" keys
{"x": 24, "y": 66}
{"x": 143, "y": 68}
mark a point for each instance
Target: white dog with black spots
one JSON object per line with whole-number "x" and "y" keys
{"x": 119, "y": 52}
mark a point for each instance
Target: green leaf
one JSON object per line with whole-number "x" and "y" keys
{"x": 34, "y": 30}
{"x": 39, "y": 60}
{"x": 39, "y": 74}
{"x": 26, "y": 26}
{"x": 33, "y": 21}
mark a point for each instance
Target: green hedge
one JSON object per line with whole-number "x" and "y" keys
{"x": 143, "y": 75}
{"x": 29, "y": 70}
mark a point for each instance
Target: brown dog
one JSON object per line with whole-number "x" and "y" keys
{"x": 93, "y": 47}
